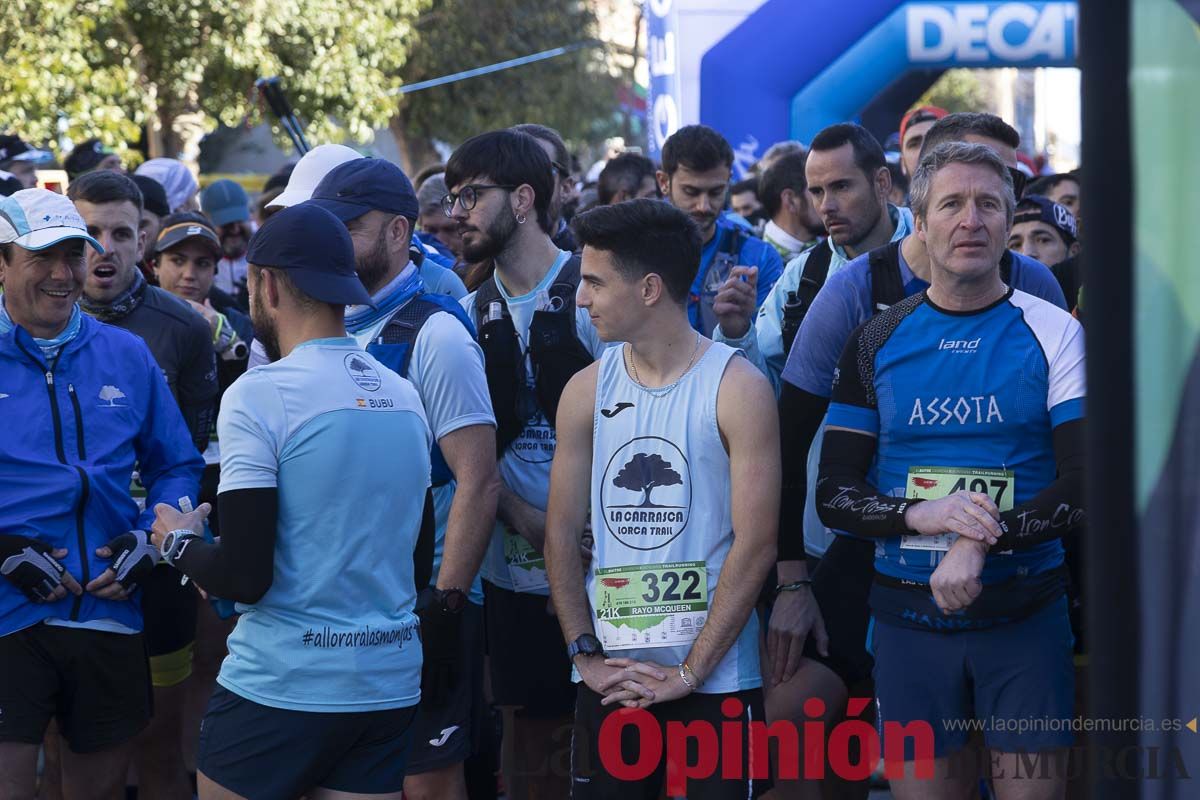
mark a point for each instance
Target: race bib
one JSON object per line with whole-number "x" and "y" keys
{"x": 651, "y": 605}
{"x": 526, "y": 566}
{"x": 934, "y": 483}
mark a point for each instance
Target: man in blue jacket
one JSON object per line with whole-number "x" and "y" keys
{"x": 85, "y": 403}
{"x": 697, "y": 163}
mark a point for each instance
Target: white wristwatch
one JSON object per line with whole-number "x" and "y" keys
{"x": 175, "y": 543}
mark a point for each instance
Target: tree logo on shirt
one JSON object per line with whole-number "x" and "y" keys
{"x": 362, "y": 373}
{"x": 111, "y": 394}
{"x": 646, "y": 493}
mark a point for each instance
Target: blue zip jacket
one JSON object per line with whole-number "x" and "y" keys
{"x": 69, "y": 444}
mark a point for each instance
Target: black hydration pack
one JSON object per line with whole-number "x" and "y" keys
{"x": 887, "y": 285}
{"x": 554, "y": 348}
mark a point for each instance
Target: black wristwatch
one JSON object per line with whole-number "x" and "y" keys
{"x": 451, "y": 601}
{"x": 585, "y": 645}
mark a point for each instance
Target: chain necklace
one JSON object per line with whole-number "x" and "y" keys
{"x": 663, "y": 389}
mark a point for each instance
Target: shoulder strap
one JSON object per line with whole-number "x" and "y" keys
{"x": 816, "y": 270}
{"x": 405, "y": 324}
{"x": 733, "y": 244}
{"x": 887, "y": 288}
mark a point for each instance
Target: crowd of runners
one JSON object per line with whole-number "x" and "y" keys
{"x": 477, "y": 484}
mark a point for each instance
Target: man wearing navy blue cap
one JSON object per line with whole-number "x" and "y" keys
{"x": 324, "y": 480}
{"x": 428, "y": 338}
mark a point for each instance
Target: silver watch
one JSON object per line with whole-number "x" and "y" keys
{"x": 175, "y": 543}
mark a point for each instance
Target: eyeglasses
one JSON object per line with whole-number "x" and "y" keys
{"x": 468, "y": 196}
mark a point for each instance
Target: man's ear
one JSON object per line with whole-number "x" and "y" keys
{"x": 653, "y": 289}
{"x": 524, "y": 202}
{"x": 399, "y": 234}
{"x": 883, "y": 182}
{"x": 141, "y": 243}
{"x": 664, "y": 183}
{"x": 1073, "y": 250}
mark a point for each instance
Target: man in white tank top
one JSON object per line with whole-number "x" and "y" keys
{"x": 659, "y": 437}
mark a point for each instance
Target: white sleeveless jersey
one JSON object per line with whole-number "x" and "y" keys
{"x": 662, "y": 518}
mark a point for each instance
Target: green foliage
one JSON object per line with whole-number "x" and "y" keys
{"x": 573, "y": 93}
{"x": 958, "y": 90}
{"x": 108, "y": 66}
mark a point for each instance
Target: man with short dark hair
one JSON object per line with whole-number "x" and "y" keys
{"x": 913, "y": 127}
{"x": 324, "y": 486}
{"x": 85, "y": 403}
{"x": 534, "y": 338}
{"x": 89, "y": 155}
{"x": 564, "y": 188}
{"x": 697, "y": 164}
{"x": 1062, "y": 188}
{"x": 848, "y": 183}
{"x": 115, "y": 292}
{"x": 21, "y": 159}
{"x": 625, "y": 177}
{"x": 743, "y": 200}
{"x": 154, "y": 209}
{"x": 792, "y": 224}
{"x": 1047, "y": 232}
{"x": 674, "y": 414}
{"x": 442, "y": 231}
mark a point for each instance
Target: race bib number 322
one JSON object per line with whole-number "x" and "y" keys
{"x": 653, "y": 605}
{"x": 934, "y": 483}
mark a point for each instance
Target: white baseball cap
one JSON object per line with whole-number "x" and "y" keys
{"x": 315, "y": 165}
{"x": 38, "y": 218}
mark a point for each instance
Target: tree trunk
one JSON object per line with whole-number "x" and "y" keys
{"x": 416, "y": 152}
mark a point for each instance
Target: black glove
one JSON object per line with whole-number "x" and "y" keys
{"x": 441, "y": 630}
{"x": 133, "y": 557}
{"x": 28, "y": 565}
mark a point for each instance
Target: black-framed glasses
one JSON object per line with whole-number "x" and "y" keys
{"x": 468, "y": 196}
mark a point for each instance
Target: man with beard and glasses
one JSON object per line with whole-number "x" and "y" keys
{"x": 697, "y": 164}
{"x": 115, "y": 292}
{"x": 428, "y": 338}
{"x": 324, "y": 491}
{"x": 226, "y": 204}
{"x": 83, "y": 402}
{"x": 534, "y": 339}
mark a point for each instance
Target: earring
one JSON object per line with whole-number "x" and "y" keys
{"x": 520, "y": 219}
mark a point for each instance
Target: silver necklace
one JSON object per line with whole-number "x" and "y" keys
{"x": 669, "y": 386}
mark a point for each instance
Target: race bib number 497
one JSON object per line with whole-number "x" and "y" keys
{"x": 934, "y": 483}
{"x": 653, "y": 605}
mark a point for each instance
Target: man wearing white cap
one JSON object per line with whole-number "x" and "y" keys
{"x": 73, "y": 546}
{"x": 310, "y": 169}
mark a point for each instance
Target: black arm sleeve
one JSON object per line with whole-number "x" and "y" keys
{"x": 844, "y": 498}
{"x": 800, "y": 415}
{"x": 423, "y": 551}
{"x": 1057, "y": 510}
{"x": 242, "y": 566}
{"x": 197, "y": 387}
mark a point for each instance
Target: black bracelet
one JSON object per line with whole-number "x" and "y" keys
{"x": 793, "y": 586}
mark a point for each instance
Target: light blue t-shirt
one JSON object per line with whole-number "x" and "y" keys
{"x": 525, "y": 467}
{"x": 346, "y": 443}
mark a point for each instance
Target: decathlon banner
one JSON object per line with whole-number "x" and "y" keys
{"x": 662, "y": 57}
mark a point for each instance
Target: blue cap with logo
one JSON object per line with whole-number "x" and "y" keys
{"x": 225, "y": 201}
{"x": 352, "y": 189}
{"x": 315, "y": 249}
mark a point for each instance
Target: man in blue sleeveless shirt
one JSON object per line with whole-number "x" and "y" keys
{"x": 324, "y": 475}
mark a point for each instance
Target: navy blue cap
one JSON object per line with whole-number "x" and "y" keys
{"x": 1036, "y": 208}
{"x": 352, "y": 189}
{"x": 315, "y": 249}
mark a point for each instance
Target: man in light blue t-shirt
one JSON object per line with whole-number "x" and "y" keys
{"x": 325, "y": 472}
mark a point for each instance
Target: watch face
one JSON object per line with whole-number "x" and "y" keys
{"x": 454, "y": 600}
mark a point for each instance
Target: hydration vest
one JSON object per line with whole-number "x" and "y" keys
{"x": 394, "y": 345}
{"x": 554, "y": 348}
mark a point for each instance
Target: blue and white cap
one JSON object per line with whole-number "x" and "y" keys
{"x": 38, "y": 218}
